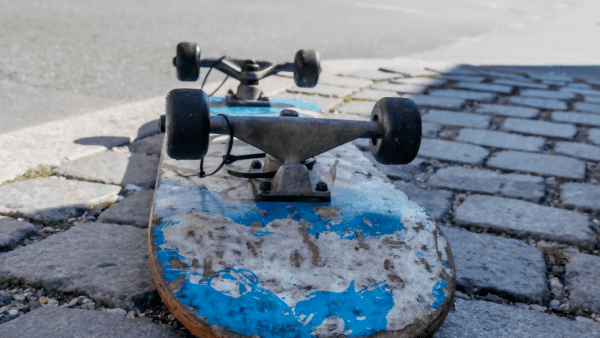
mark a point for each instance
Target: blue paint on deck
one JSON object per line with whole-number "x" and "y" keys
{"x": 438, "y": 293}
{"x": 217, "y": 106}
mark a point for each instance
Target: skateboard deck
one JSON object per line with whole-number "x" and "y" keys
{"x": 369, "y": 263}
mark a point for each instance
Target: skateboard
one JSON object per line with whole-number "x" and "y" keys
{"x": 267, "y": 223}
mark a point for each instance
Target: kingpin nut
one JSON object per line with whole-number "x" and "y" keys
{"x": 321, "y": 186}
{"x": 256, "y": 164}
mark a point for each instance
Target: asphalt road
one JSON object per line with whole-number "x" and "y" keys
{"x": 67, "y": 57}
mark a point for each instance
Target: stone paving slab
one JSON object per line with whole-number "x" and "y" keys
{"x": 399, "y": 87}
{"x": 375, "y": 95}
{"x": 583, "y": 280}
{"x": 133, "y": 210}
{"x": 487, "y": 181}
{"x": 13, "y": 232}
{"x": 580, "y": 150}
{"x": 457, "y": 119}
{"x": 538, "y": 103}
{"x": 503, "y": 266}
{"x": 485, "y": 87}
{"x": 435, "y": 202}
{"x": 481, "y": 319}
{"x": 553, "y": 165}
{"x": 363, "y": 108}
{"x": 149, "y": 146}
{"x": 592, "y": 99}
{"x": 550, "y": 76}
{"x": 581, "y": 91}
{"x": 343, "y": 81}
{"x": 525, "y": 219}
{"x": 323, "y": 89}
{"x": 500, "y": 139}
{"x": 112, "y": 167}
{"x": 549, "y": 94}
{"x": 508, "y": 110}
{"x": 505, "y": 75}
{"x": 577, "y": 118}
{"x": 106, "y": 262}
{"x": 51, "y": 200}
{"x": 594, "y": 135}
{"x": 544, "y": 128}
{"x": 472, "y": 79}
{"x": 438, "y": 102}
{"x": 587, "y": 107}
{"x": 395, "y": 172}
{"x": 430, "y": 129}
{"x": 521, "y": 84}
{"x": 579, "y": 85}
{"x": 426, "y": 81}
{"x": 463, "y": 94}
{"x": 407, "y": 71}
{"x": 325, "y": 103}
{"x": 581, "y": 195}
{"x": 58, "y": 322}
{"x": 452, "y": 151}
{"x": 371, "y": 74}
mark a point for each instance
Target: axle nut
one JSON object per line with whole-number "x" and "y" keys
{"x": 256, "y": 164}
{"x": 321, "y": 186}
{"x": 265, "y": 186}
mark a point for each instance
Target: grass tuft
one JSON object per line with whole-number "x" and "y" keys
{"x": 40, "y": 171}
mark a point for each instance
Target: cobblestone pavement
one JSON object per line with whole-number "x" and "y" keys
{"x": 508, "y": 166}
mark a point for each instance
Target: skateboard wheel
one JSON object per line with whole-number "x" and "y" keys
{"x": 306, "y": 68}
{"x": 400, "y": 123}
{"x": 187, "y": 61}
{"x": 187, "y": 124}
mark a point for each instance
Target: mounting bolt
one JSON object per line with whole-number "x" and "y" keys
{"x": 289, "y": 113}
{"x": 265, "y": 186}
{"x": 162, "y": 123}
{"x": 256, "y": 164}
{"x": 321, "y": 186}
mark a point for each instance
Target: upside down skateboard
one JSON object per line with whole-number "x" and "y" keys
{"x": 297, "y": 235}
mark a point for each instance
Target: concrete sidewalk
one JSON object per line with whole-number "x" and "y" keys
{"x": 508, "y": 165}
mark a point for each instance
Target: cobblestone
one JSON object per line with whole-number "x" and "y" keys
{"x": 435, "y": 202}
{"x": 500, "y": 139}
{"x": 594, "y": 136}
{"x": 543, "y": 164}
{"x": 395, "y": 172}
{"x": 580, "y": 150}
{"x": 133, "y": 210}
{"x": 148, "y": 146}
{"x": 343, "y": 81}
{"x": 426, "y": 81}
{"x": 517, "y": 83}
{"x": 430, "y": 129}
{"x": 374, "y": 95}
{"x": 473, "y": 79}
{"x": 463, "y": 94}
{"x": 579, "y": 85}
{"x": 581, "y": 195}
{"x": 452, "y": 151}
{"x": 549, "y": 94}
{"x": 438, "y": 102}
{"x": 457, "y": 119}
{"x": 583, "y": 280}
{"x": 323, "y": 89}
{"x": 363, "y": 108}
{"x": 399, "y": 87}
{"x": 526, "y": 219}
{"x": 503, "y": 266}
{"x": 508, "y": 110}
{"x": 13, "y": 233}
{"x": 581, "y": 91}
{"x": 587, "y": 107}
{"x": 592, "y": 99}
{"x": 538, "y": 103}
{"x": 481, "y": 319}
{"x": 407, "y": 71}
{"x": 550, "y": 76}
{"x": 113, "y": 168}
{"x": 485, "y": 87}
{"x": 371, "y": 74}
{"x": 486, "y": 181}
{"x": 577, "y": 118}
{"x": 48, "y": 201}
{"x": 544, "y": 128}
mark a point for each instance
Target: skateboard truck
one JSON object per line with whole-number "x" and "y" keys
{"x": 394, "y": 131}
{"x": 306, "y": 68}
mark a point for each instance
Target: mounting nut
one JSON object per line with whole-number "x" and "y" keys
{"x": 289, "y": 113}
{"x": 256, "y": 164}
{"x": 321, "y": 186}
{"x": 265, "y": 186}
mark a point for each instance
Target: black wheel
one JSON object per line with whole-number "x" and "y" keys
{"x": 400, "y": 123}
{"x": 187, "y": 124}
{"x": 306, "y": 68}
{"x": 187, "y": 61}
